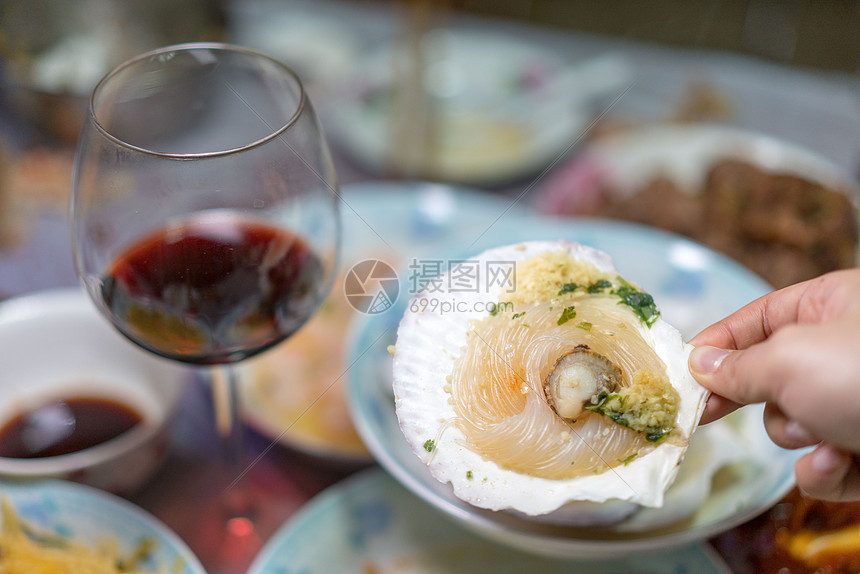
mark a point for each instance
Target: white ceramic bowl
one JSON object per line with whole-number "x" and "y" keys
{"x": 92, "y": 517}
{"x": 55, "y": 344}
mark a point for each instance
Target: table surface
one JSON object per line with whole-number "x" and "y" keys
{"x": 818, "y": 111}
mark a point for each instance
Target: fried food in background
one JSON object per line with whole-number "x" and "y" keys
{"x": 799, "y": 535}
{"x": 783, "y": 227}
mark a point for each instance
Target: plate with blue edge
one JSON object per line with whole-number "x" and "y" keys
{"x": 94, "y": 517}
{"x": 694, "y": 287}
{"x": 370, "y": 523}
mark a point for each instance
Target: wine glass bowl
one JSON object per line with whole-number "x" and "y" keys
{"x": 204, "y": 208}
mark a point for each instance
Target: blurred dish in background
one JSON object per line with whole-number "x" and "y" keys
{"x": 54, "y": 52}
{"x": 496, "y": 108}
{"x": 370, "y": 524}
{"x": 784, "y": 212}
{"x": 317, "y": 44}
{"x": 295, "y": 393}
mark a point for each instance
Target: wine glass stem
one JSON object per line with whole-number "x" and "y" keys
{"x": 242, "y": 538}
{"x": 225, "y": 389}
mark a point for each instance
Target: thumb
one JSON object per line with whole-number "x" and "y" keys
{"x": 703, "y": 362}
{"x": 731, "y": 374}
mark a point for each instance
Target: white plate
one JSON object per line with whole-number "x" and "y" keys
{"x": 694, "y": 287}
{"x": 91, "y": 516}
{"x": 498, "y": 107}
{"x": 370, "y": 524}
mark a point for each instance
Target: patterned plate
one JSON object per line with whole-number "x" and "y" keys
{"x": 91, "y": 516}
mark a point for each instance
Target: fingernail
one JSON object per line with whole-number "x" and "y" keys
{"x": 825, "y": 460}
{"x": 798, "y": 434}
{"x": 706, "y": 360}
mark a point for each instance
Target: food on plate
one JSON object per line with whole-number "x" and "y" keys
{"x": 25, "y": 549}
{"x": 784, "y": 227}
{"x": 296, "y": 392}
{"x": 560, "y": 383}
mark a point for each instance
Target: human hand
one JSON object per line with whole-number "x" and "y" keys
{"x": 798, "y": 351}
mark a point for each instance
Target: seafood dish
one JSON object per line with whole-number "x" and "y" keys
{"x": 550, "y": 382}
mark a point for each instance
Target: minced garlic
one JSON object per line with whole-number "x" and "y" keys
{"x": 648, "y": 405}
{"x": 543, "y": 276}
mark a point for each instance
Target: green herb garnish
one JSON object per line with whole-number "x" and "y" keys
{"x": 429, "y": 445}
{"x": 585, "y": 325}
{"x": 599, "y": 285}
{"x": 641, "y": 302}
{"x": 655, "y": 436}
{"x": 566, "y": 315}
{"x": 469, "y": 474}
{"x": 605, "y": 404}
{"x": 518, "y": 315}
{"x": 568, "y": 288}
{"x": 629, "y": 459}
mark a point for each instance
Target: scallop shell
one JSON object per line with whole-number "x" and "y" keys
{"x": 432, "y": 335}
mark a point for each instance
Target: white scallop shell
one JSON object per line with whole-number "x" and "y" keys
{"x": 429, "y": 340}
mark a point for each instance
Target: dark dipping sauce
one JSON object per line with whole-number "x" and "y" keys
{"x": 65, "y": 426}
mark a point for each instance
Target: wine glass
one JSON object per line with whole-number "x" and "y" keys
{"x": 204, "y": 212}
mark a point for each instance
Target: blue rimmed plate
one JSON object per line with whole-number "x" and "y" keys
{"x": 369, "y": 523}
{"x": 91, "y": 516}
{"x": 694, "y": 287}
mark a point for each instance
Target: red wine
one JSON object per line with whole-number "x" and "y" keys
{"x": 215, "y": 288}
{"x": 65, "y": 426}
